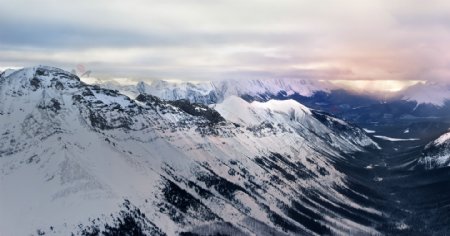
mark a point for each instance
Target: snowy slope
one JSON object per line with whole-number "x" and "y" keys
{"x": 77, "y": 158}
{"x": 437, "y": 153}
{"x": 294, "y": 117}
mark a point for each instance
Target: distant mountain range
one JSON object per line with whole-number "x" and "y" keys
{"x": 210, "y": 92}
{"x": 421, "y": 101}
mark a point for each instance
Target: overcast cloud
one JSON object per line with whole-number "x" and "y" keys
{"x": 216, "y": 39}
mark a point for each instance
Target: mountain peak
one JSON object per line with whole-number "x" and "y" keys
{"x": 39, "y": 71}
{"x": 41, "y": 77}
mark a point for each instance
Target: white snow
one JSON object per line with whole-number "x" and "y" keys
{"x": 109, "y": 99}
{"x": 369, "y": 131}
{"x": 395, "y": 139}
{"x": 237, "y": 110}
{"x": 285, "y": 106}
{"x": 442, "y": 139}
{"x": 401, "y": 226}
{"x": 378, "y": 179}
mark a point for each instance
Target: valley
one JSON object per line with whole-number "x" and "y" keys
{"x": 414, "y": 201}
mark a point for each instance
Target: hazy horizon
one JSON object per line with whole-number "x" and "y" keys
{"x": 374, "y": 87}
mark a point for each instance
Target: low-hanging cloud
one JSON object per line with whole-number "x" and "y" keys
{"x": 203, "y": 40}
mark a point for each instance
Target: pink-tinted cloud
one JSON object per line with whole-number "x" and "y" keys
{"x": 196, "y": 39}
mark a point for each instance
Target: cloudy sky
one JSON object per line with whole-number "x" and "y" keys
{"x": 216, "y": 39}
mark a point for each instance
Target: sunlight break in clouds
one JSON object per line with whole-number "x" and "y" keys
{"x": 208, "y": 40}
{"x": 376, "y": 85}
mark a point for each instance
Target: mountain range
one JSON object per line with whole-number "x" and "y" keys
{"x": 78, "y": 158}
{"x": 233, "y": 157}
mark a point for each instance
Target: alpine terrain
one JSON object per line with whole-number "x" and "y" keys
{"x": 219, "y": 159}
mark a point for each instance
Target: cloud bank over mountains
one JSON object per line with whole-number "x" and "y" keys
{"x": 207, "y": 40}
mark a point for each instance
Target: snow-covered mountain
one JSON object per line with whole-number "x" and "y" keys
{"x": 82, "y": 159}
{"x": 437, "y": 153}
{"x": 210, "y": 92}
{"x": 427, "y": 93}
{"x": 216, "y": 91}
